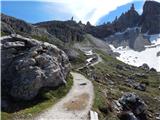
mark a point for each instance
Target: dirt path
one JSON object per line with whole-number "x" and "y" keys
{"x": 75, "y": 105}
{"x": 98, "y": 60}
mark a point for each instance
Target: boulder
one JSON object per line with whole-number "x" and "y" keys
{"x": 131, "y": 101}
{"x": 120, "y": 67}
{"x": 157, "y": 116}
{"x": 145, "y": 66}
{"x": 140, "y": 86}
{"x": 29, "y": 65}
{"x": 153, "y": 70}
{"x": 141, "y": 75}
{"x": 131, "y": 107}
{"x": 158, "y": 54}
{"x": 127, "y": 116}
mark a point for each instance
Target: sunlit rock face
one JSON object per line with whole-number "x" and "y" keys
{"x": 150, "y": 18}
{"x": 29, "y": 65}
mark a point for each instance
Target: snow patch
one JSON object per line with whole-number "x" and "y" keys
{"x": 135, "y": 58}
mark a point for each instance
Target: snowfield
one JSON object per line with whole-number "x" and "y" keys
{"x": 135, "y": 58}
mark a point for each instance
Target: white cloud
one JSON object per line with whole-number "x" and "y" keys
{"x": 90, "y": 10}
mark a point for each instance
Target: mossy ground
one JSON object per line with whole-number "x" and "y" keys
{"x": 39, "y": 104}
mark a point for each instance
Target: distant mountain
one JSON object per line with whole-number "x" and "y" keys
{"x": 117, "y": 12}
{"x": 128, "y": 19}
{"x": 68, "y": 31}
{"x": 147, "y": 23}
{"x": 150, "y": 18}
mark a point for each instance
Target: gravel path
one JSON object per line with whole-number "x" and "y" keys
{"x": 98, "y": 61}
{"x": 75, "y": 105}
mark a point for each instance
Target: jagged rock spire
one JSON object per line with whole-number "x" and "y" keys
{"x": 132, "y": 7}
{"x": 80, "y": 22}
{"x": 88, "y": 23}
{"x": 72, "y": 18}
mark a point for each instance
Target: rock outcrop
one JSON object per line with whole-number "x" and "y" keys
{"x": 150, "y": 18}
{"x": 148, "y": 21}
{"x": 131, "y": 37}
{"x": 131, "y": 107}
{"x": 19, "y": 26}
{"x": 66, "y": 31}
{"x": 126, "y": 20}
{"x": 29, "y": 65}
{"x": 11, "y": 25}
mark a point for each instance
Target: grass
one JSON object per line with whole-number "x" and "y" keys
{"x": 79, "y": 61}
{"x": 40, "y": 38}
{"x": 99, "y": 99}
{"x": 3, "y": 33}
{"x": 49, "y": 99}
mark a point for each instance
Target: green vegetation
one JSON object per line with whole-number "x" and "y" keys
{"x": 44, "y": 101}
{"x": 79, "y": 61}
{"x": 40, "y": 38}
{"x": 3, "y": 33}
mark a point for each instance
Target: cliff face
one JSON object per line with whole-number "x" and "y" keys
{"x": 149, "y": 21}
{"x": 131, "y": 37}
{"x": 15, "y": 25}
{"x": 66, "y": 31}
{"x": 122, "y": 31}
{"x": 150, "y": 18}
{"x": 126, "y": 20}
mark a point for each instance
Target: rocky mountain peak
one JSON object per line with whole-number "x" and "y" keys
{"x": 88, "y": 23}
{"x": 132, "y": 7}
{"x": 126, "y": 20}
{"x": 149, "y": 20}
{"x": 151, "y": 8}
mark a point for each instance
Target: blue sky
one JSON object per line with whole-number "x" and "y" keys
{"x": 95, "y": 11}
{"x": 34, "y": 11}
{"x": 119, "y": 10}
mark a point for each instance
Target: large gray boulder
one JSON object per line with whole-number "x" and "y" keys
{"x": 29, "y": 65}
{"x": 134, "y": 104}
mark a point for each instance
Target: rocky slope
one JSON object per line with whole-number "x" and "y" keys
{"x": 131, "y": 37}
{"x": 15, "y": 25}
{"x": 29, "y": 65}
{"x": 122, "y": 91}
{"x": 11, "y": 25}
{"x": 66, "y": 31}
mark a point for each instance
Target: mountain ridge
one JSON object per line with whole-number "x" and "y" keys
{"x": 69, "y": 31}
